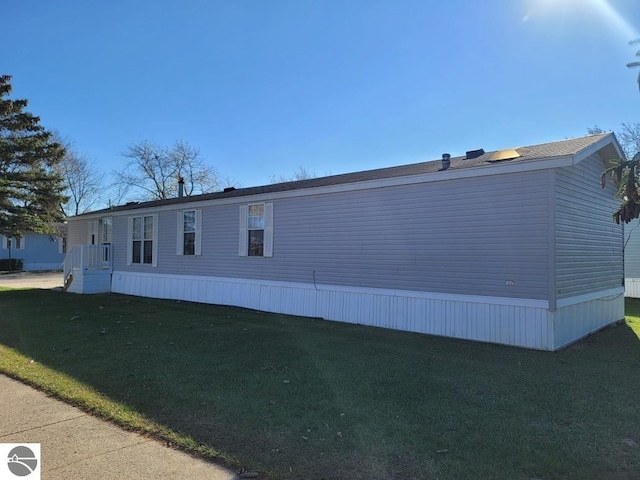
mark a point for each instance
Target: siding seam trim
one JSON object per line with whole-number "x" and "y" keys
{"x": 553, "y": 302}
{"x": 587, "y": 297}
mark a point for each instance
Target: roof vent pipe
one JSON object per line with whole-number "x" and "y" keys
{"x": 446, "y": 161}
{"x": 180, "y": 187}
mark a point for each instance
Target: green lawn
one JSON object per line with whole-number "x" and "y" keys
{"x": 301, "y": 398}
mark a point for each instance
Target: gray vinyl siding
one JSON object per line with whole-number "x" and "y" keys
{"x": 119, "y": 239}
{"x": 632, "y": 250}
{"x": 588, "y": 242}
{"x": 77, "y": 231}
{"x": 478, "y": 236}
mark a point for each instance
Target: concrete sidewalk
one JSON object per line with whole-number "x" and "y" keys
{"x": 78, "y": 446}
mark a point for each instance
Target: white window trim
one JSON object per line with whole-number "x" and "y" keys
{"x": 5, "y": 243}
{"x": 109, "y": 240}
{"x": 61, "y": 245}
{"x": 180, "y": 233}
{"x": 268, "y": 229}
{"x": 243, "y": 236}
{"x": 129, "y": 240}
{"x": 154, "y": 239}
{"x": 243, "y": 246}
{"x": 94, "y": 232}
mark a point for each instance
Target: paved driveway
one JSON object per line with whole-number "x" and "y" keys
{"x": 31, "y": 280}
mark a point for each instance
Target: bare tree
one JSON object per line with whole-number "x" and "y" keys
{"x": 82, "y": 180}
{"x": 190, "y": 166}
{"x": 300, "y": 173}
{"x": 118, "y": 193}
{"x": 153, "y": 172}
{"x": 629, "y": 136}
{"x": 148, "y": 170}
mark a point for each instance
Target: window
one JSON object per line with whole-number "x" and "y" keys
{"x": 189, "y": 233}
{"x": 143, "y": 240}
{"x": 62, "y": 244}
{"x": 255, "y": 227}
{"x": 94, "y": 226}
{"x": 106, "y": 225}
{"x": 256, "y": 230}
{"x": 15, "y": 243}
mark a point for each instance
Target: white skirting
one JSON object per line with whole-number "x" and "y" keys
{"x": 632, "y": 287}
{"x": 512, "y": 321}
{"x": 579, "y": 316}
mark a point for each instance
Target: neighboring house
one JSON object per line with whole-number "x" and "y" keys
{"x": 515, "y": 247}
{"x": 632, "y": 259}
{"x": 37, "y": 251}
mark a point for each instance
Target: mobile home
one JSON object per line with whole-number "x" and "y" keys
{"x": 514, "y": 247}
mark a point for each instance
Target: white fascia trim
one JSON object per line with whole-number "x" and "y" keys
{"x": 602, "y": 294}
{"x": 514, "y": 302}
{"x": 595, "y": 147}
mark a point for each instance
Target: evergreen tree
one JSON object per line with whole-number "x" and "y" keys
{"x": 31, "y": 190}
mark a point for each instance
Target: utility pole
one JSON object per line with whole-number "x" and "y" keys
{"x": 9, "y": 245}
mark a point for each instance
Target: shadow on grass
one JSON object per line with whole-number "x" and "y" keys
{"x": 303, "y": 398}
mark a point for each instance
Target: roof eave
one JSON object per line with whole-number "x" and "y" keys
{"x": 453, "y": 173}
{"x": 597, "y": 146}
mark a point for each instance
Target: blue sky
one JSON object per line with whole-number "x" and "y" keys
{"x": 264, "y": 86}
